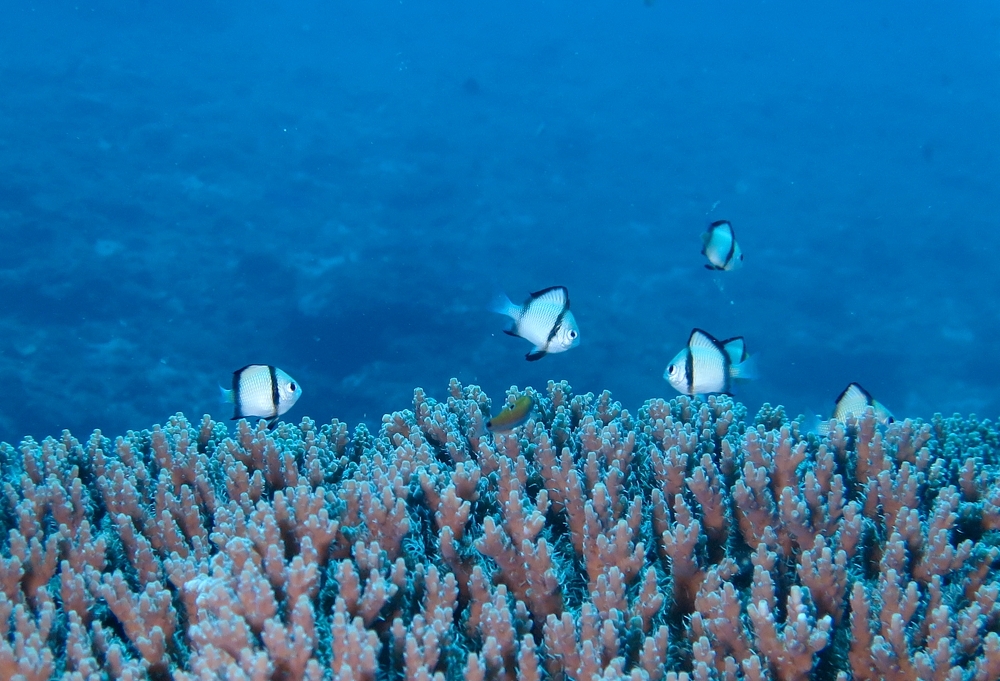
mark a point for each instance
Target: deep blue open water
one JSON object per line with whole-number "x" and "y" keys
{"x": 340, "y": 189}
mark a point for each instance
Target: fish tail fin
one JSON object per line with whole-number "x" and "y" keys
{"x": 814, "y": 423}
{"x": 502, "y": 305}
{"x": 229, "y": 397}
{"x": 745, "y": 370}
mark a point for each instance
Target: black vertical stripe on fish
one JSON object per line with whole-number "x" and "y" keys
{"x": 727, "y": 364}
{"x": 706, "y": 341}
{"x": 732, "y": 240}
{"x": 538, "y": 354}
{"x": 555, "y": 328}
{"x": 689, "y": 370}
{"x": 275, "y": 397}
{"x": 237, "y": 402}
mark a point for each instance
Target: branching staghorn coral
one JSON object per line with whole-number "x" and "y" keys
{"x": 681, "y": 542}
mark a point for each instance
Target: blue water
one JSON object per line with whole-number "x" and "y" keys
{"x": 340, "y": 188}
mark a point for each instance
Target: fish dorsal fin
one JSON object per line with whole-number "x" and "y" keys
{"x": 736, "y": 348}
{"x": 854, "y": 392}
{"x": 554, "y": 295}
{"x": 702, "y": 339}
{"x": 236, "y": 374}
{"x": 720, "y": 224}
{"x": 852, "y": 400}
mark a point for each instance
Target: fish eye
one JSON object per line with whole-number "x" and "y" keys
{"x": 291, "y": 386}
{"x": 671, "y": 369}
{"x": 572, "y": 334}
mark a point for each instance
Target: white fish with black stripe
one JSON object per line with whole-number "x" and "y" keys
{"x": 720, "y": 247}
{"x": 708, "y": 366}
{"x": 261, "y": 391}
{"x": 544, "y": 320}
{"x": 853, "y": 401}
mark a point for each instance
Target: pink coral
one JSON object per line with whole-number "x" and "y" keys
{"x": 681, "y": 542}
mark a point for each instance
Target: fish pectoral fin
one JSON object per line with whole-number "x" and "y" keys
{"x": 535, "y": 356}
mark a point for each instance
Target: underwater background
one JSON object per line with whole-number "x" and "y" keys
{"x": 339, "y": 189}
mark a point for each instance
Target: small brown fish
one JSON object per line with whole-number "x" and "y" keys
{"x": 511, "y": 417}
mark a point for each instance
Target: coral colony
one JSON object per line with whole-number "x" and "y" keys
{"x": 684, "y": 541}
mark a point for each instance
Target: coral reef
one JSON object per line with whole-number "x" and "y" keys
{"x": 682, "y": 542}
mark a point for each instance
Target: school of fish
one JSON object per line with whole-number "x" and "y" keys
{"x": 705, "y": 366}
